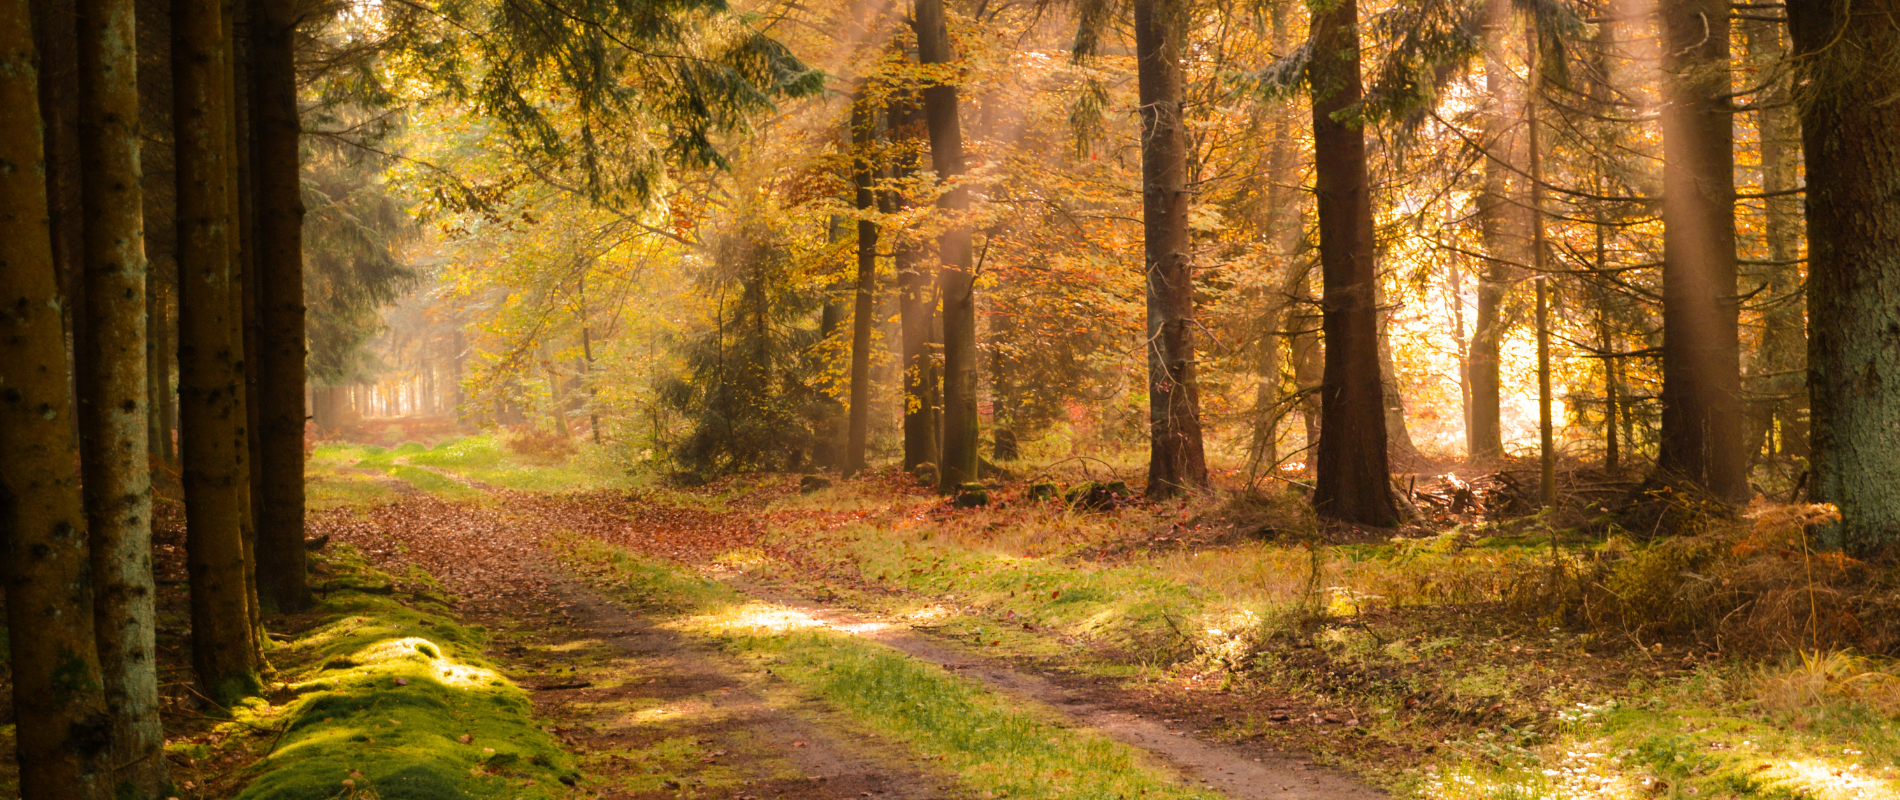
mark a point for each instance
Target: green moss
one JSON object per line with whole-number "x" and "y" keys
{"x": 398, "y": 701}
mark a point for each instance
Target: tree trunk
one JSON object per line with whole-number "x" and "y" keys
{"x": 1502, "y": 226}
{"x": 863, "y": 135}
{"x": 958, "y": 275}
{"x": 916, "y": 298}
{"x": 116, "y": 461}
{"x": 1778, "y": 366}
{"x": 281, "y": 573}
{"x": 1701, "y": 415}
{"x": 211, "y": 369}
{"x": 1399, "y": 446}
{"x": 1309, "y": 371}
{"x": 1853, "y": 212}
{"x": 1177, "y": 461}
{"x": 1282, "y": 229}
{"x": 1354, "y": 484}
{"x": 61, "y": 717}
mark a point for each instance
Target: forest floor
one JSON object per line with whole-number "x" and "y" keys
{"x": 768, "y": 636}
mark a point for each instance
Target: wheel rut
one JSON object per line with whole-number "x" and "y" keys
{"x": 1244, "y": 773}
{"x": 649, "y": 713}
{"x": 618, "y": 685}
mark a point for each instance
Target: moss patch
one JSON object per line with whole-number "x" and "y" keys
{"x": 396, "y": 702}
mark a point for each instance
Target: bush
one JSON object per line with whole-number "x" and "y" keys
{"x": 1757, "y": 584}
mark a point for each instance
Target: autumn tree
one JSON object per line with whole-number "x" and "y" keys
{"x": 957, "y": 279}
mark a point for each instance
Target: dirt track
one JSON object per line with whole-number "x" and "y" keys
{"x": 614, "y": 684}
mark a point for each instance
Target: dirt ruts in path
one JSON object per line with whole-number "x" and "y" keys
{"x": 649, "y": 713}
{"x": 1244, "y": 773}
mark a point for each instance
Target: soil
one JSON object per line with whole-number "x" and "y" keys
{"x": 590, "y": 661}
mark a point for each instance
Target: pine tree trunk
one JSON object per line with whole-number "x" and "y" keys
{"x": 281, "y": 573}
{"x": 1502, "y": 226}
{"x": 863, "y": 135}
{"x": 1177, "y": 461}
{"x": 957, "y": 276}
{"x": 1846, "y": 50}
{"x": 1701, "y": 416}
{"x": 1779, "y": 362}
{"x": 116, "y": 459}
{"x": 61, "y": 717}
{"x": 210, "y": 358}
{"x": 1354, "y": 483}
{"x": 916, "y": 297}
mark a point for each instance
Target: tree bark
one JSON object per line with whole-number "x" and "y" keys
{"x": 863, "y": 136}
{"x": 210, "y": 358}
{"x": 116, "y": 461}
{"x": 1701, "y": 415}
{"x": 916, "y": 298}
{"x": 1177, "y": 461}
{"x": 957, "y": 276}
{"x": 1846, "y": 50}
{"x": 1354, "y": 483}
{"x": 62, "y": 723}
{"x": 281, "y": 572}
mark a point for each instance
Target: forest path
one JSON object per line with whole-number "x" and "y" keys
{"x": 621, "y": 688}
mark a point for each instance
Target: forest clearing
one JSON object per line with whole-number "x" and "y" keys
{"x": 976, "y": 399}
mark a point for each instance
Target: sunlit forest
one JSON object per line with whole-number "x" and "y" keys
{"x": 1030, "y": 399}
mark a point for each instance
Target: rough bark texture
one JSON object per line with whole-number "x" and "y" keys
{"x": 957, "y": 277}
{"x": 1849, "y": 51}
{"x": 210, "y": 358}
{"x": 117, "y": 461}
{"x": 864, "y": 305}
{"x": 281, "y": 574}
{"x": 1353, "y": 484}
{"x": 1701, "y": 396}
{"x": 62, "y": 723}
{"x": 1176, "y": 458}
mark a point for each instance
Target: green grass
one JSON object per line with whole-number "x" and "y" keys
{"x": 397, "y": 702}
{"x": 484, "y": 459}
{"x": 996, "y": 745}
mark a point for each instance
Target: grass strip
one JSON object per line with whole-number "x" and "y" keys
{"x": 994, "y": 744}
{"x": 395, "y": 702}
